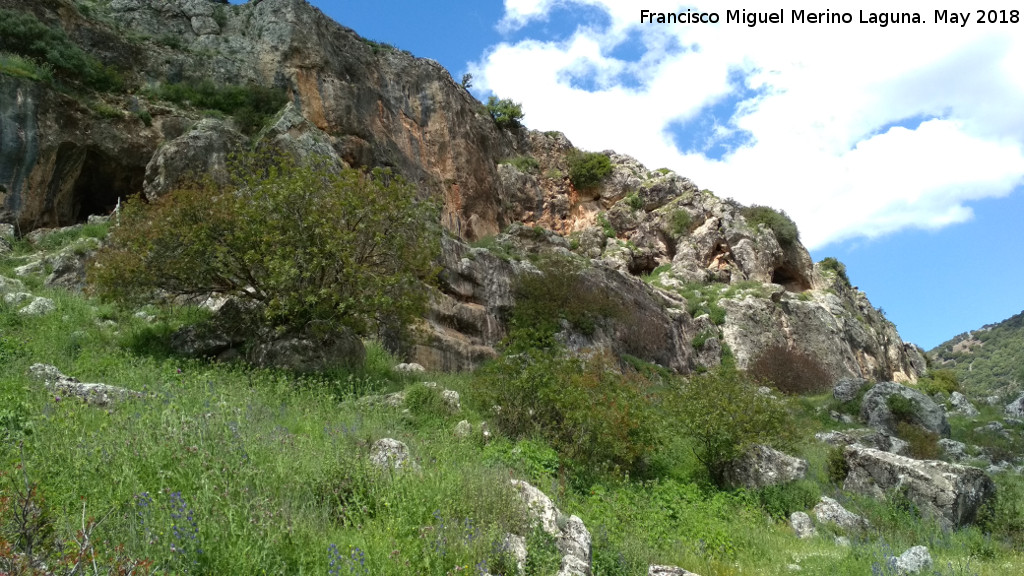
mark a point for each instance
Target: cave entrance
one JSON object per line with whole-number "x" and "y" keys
{"x": 790, "y": 279}
{"x": 101, "y": 183}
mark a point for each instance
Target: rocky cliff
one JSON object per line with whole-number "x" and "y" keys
{"x": 694, "y": 277}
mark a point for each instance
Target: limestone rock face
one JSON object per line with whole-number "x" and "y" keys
{"x": 660, "y": 570}
{"x": 572, "y": 537}
{"x": 91, "y": 393}
{"x": 1015, "y": 409}
{"x": 802, "y": 525}
{"x": 962, "y": 405}
{"x": 914, "y": 561}
{"x": 875, "y": 411}
{"x": 763, "y": 466}
{"x": 202, "y": 151}
{"x": 390, "y": 453}
{"x": 951, "y": 493}
{"x": 830, "y": 511}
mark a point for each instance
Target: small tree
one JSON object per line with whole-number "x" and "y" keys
{"x": 505, "y": 112}
{"x": 317, "y": 247}
{"x": 723, "y": 414}
{"x": 587, "y": 169}
{"x": 791, "y": 371}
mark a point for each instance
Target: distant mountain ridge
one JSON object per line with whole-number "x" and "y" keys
{"x": 989, "y": 359}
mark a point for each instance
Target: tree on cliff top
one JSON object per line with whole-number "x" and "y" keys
{"x": 318, "y": 248}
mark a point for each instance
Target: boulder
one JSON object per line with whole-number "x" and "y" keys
{"x": 571, "y": 537}
{"x": 914, "y": 561}
{"x": 410, "y": 367}
{"x": 955, "y": 451}
{"x": 763, "y": 466}
{"x": 865, "y": 437}
{"x": 202, "y": 151}
{"x": 962, "y": 405}
{"x": 951, "y": 493}
{"x": 1015, "y": 409}
{"x": 39, "y": 306}
{"x": 306, "y": 354}
{"x": 390, "y": 453}
{"x": 8, "y": 285}
{"x": 925, "y": 412}
{"x": 91, "y": 393}
{"x": 463, "y": 429}
{"x": 832, "y": 512}
{"x": 846, "y": 389}
{"x": 802, "y": 525}
{"x": 68, "y": 272}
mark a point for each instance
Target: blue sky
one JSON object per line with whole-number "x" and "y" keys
{"x": 898, "y": 150}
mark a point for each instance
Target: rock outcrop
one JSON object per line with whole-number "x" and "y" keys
{"x": 951, "y": 493}
{"x": 830, "y": 511}
{"x": 571, "y": 537}
{"x": 91, "y": 393}
{"x": 763, "y": 466}
{"x": 923, "y": 411}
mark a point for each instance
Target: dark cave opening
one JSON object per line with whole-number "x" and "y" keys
{"x": 101, "y": 183}
{"x": 790, "y": 279}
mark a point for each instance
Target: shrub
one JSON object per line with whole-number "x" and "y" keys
{"x": 505, "y": 112}
{"x": 924, "y": 445}
{"x": 22, "y": 33}
{"x": 591, "y": 415}
{"x": 790, "y": 371}
{"x": 777, "y": 221}
{"x": 679, "y": 222}
{"x": 782, "y": 500}
{"x": 901, "y": 407}
{"x": 587, "y": 169}
{"x": 942, "y": 380}
{"x": 606, "y": 226}
{"x": 527, "y": 164}
{"x": 724, "y": 415}
{"x": 836, "y": 267}
{"x": 318, "y": 248}
{"x": 561, "y": 292}
{"x": 836, "y": 466}
{"x": 634, "y": 201}
{"x": 251, "y": 105}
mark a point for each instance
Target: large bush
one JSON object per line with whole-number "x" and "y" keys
{"x": 250, "y": 105}
{"x": 505, "y": 112}
{"x": 317, "y": 247}
{"x": 723, "y": 414}
{"x": 597, "y": 418}
{"x": 777, "y": 221}
{"x": 791, "y": 371}
{"x": 587, "y": 169}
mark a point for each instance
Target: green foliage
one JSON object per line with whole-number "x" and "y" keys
{"x": 467, "y": 80}
{"x": 942, "y": 380}
{"x": 986, "y": 359}
{"x": 561, "y": 292}
{"x": 790, "y": 371}
{"x": 317, "y": 247}
{"x": 23, "y": 67}
{"x": 592, "y": 416}
{"x": 679, "y": 222}
{"x": 220, "y": 16}
{"x": 836, "y": 466}
{"x": 1003, "y": 516}
{"x": 425, "y": 402}
{"x": 606, "y": 226}
{"x": 526, "y": 164}
{"x": 251, "y": 105}
{"x": 836, "y": 267}
{"x": 534, "y": 458}
{"x": 782, "y": 500}
{"x": 588, "y": 169}
{"x": 901, "y": 407}
{"x": 634, "y": 201}
{"x": 775, "y": 220}
{"x": 724, "y": 415}
{"x": 506, "y": 113}
{"x": 23, "y": 34}
{"x": 924, "y": 445}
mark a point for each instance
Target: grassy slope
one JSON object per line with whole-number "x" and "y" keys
{"x": 993, "y": 362}
{"x": 229, "y": 470}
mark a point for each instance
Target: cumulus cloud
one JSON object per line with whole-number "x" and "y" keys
{"x": 855, "y": 130}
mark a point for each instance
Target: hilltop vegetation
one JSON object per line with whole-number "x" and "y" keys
{"x": 987, "y": 360}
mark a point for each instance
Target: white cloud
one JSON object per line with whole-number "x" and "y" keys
{"x": 822, "y": 101}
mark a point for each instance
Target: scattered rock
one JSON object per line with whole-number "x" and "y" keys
{"x": 68, "y": 272}
{"x": 16, "y": 298}
{"x": 485, "y": 431}
{"x": 793, "y": 567}
{"x": 451, "y": 399}
{"x": 802, "y": 525}
{"x": 842, "y": 541}
{"x": 995, "y": 427}
{"x": 955, "y": 451}
{"x": 763, "y": 466}
{"x": 390, "y": 453}
{"x": 303, "y": 354}
{"x": 846, "y": 389}
{"x": 962, "y": 405}
{"x": 865, "y": 437}
{"x": 572, "y": 537}
{"x": 91, "y": 393}
{"x": 410, "y": 367}
{"x": 952, "y": 493}
{"x": 34, "y": 267}
{"x": 38, "y": 307}
{"x": 8, "y": 285}
{"x": 1016, "y": 408}
{"x": 925, "y": 412}
{"x": 913, "y": 561}
{"x": 659, "y": 570}
{"x": 830, "y": 511}
{"x": 463, "y": 429}
{"x": 840, "y": 417}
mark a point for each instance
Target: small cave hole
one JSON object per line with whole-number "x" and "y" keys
{"x": 790, "y": 279}
{"x": 101, "y": 183}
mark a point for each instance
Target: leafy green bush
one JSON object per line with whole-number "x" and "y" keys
{"x": 588, "y": 169}
{"x": 527, "y": 164}
{"x": 782, "y": 500}
{"x": 836, "y": 466}
{"x": 942, "y": 380}
{"x": 775, "y": 220}
{"x": 23, "y": 34}
{"x": 317, "y": 248}
{"x": 1003, "y": 516}
{"x": 679, "y": 222}
{"x": 790, "y": 371}
{"x": 833, "y": 265}
{"x": 606, "y": 226}
{"x": 251, "y": 105}
{"x": 634, "y": 201}
{"x": 724, "y": 415}
{"x": 23, "y": 67}
{"x": 924, "y": 445}
{"x": 505, "y": 112}
{"x": 901, "y": 407}
{"x": 596, "y": 418}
